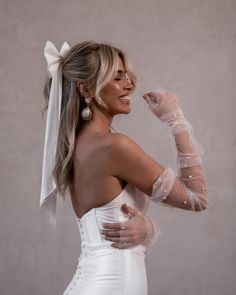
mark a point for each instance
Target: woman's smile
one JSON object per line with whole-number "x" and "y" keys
{"x": 119, "y": 89}
{"x": 124, "y": 99}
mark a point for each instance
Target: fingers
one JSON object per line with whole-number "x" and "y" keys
{"x": 122, "y": 239}
{"x": 161, "y": 103}
{"x": 122, "y": 246}
{"x": 130, "y": 211}
{"x": 155, "y": 94}
{"x": 153, "y": 98}
{"x": 158, "y": 97}
{"x": 118, "y": 239}
{"x": 130, "y": 235}
{"x": 149, "y": 100}
{"x": 116, "y": 225}
{"x": 116, "y": 233}
{"x": 115, "y": 229}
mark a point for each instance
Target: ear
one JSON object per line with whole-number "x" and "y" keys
{"x": 83, "y": 89}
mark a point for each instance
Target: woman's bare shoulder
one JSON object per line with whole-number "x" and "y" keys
{"x": 120, "y": 142}
{"x": 130, "y": 162}
{"x": 120, "y": 139}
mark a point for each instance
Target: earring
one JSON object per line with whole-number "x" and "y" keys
{"x": 86, "y": 113}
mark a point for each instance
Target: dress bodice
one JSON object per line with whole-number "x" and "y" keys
{"x": 92, "y": 221}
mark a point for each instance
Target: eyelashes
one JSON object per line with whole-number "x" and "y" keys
{"x": 127, "y": 77}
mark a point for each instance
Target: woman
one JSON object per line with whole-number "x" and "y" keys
{"x": 90, "y": 84}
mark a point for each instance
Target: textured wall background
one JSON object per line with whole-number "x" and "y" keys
{"x": 185, "y": 46}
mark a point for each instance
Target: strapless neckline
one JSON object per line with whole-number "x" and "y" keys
{"x": 110, "y": 202}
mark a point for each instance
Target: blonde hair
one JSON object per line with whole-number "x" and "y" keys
{"x": 94, "y": 64}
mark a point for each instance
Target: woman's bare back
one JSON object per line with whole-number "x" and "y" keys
{"x": 94, "y": 185}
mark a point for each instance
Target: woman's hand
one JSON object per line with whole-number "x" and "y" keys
{"x": 162, "y": 103}
{"x": 137, "y": 230}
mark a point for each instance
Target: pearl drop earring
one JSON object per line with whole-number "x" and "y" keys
{"x": 86, "y": 113}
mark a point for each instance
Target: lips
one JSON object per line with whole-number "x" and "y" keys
{"x": 125, "y": 99}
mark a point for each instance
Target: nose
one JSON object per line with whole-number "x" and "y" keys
{"x": 128, "y": 84}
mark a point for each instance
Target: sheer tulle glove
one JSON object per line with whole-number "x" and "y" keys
{"x": 140, "y": 229}
{"x": 152, "y": 232}
{"x": 188, "y": 190}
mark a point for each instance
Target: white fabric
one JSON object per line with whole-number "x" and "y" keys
{"x": 103, "y": 269}
{"x": 163, "y": 185}
{"x": 188, "y": 190}
{"x": 48, "y": 187}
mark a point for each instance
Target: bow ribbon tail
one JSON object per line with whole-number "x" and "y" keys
{"x": 48, "y": 189}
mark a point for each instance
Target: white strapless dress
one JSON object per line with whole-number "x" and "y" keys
{"x": 103, "y": 269}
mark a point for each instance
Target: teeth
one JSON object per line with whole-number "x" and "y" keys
{"x": 125, "y": 99}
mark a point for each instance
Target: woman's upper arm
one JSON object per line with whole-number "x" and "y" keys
{"x": 131, "y": 163}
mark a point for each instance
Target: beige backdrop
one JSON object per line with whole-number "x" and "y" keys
{"x": 185, "y": 46}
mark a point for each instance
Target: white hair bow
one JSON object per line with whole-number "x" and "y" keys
{"x": 48, "y": 187}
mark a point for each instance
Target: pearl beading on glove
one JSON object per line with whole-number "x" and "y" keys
{"x": 189, "y": 187}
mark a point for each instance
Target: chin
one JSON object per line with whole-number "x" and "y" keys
{"x": 126, "y": 110}
{"x": 123, "y": 111}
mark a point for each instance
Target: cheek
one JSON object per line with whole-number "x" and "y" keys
{"x": 111, "y": 91}
{"x": 115, "y": 90}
